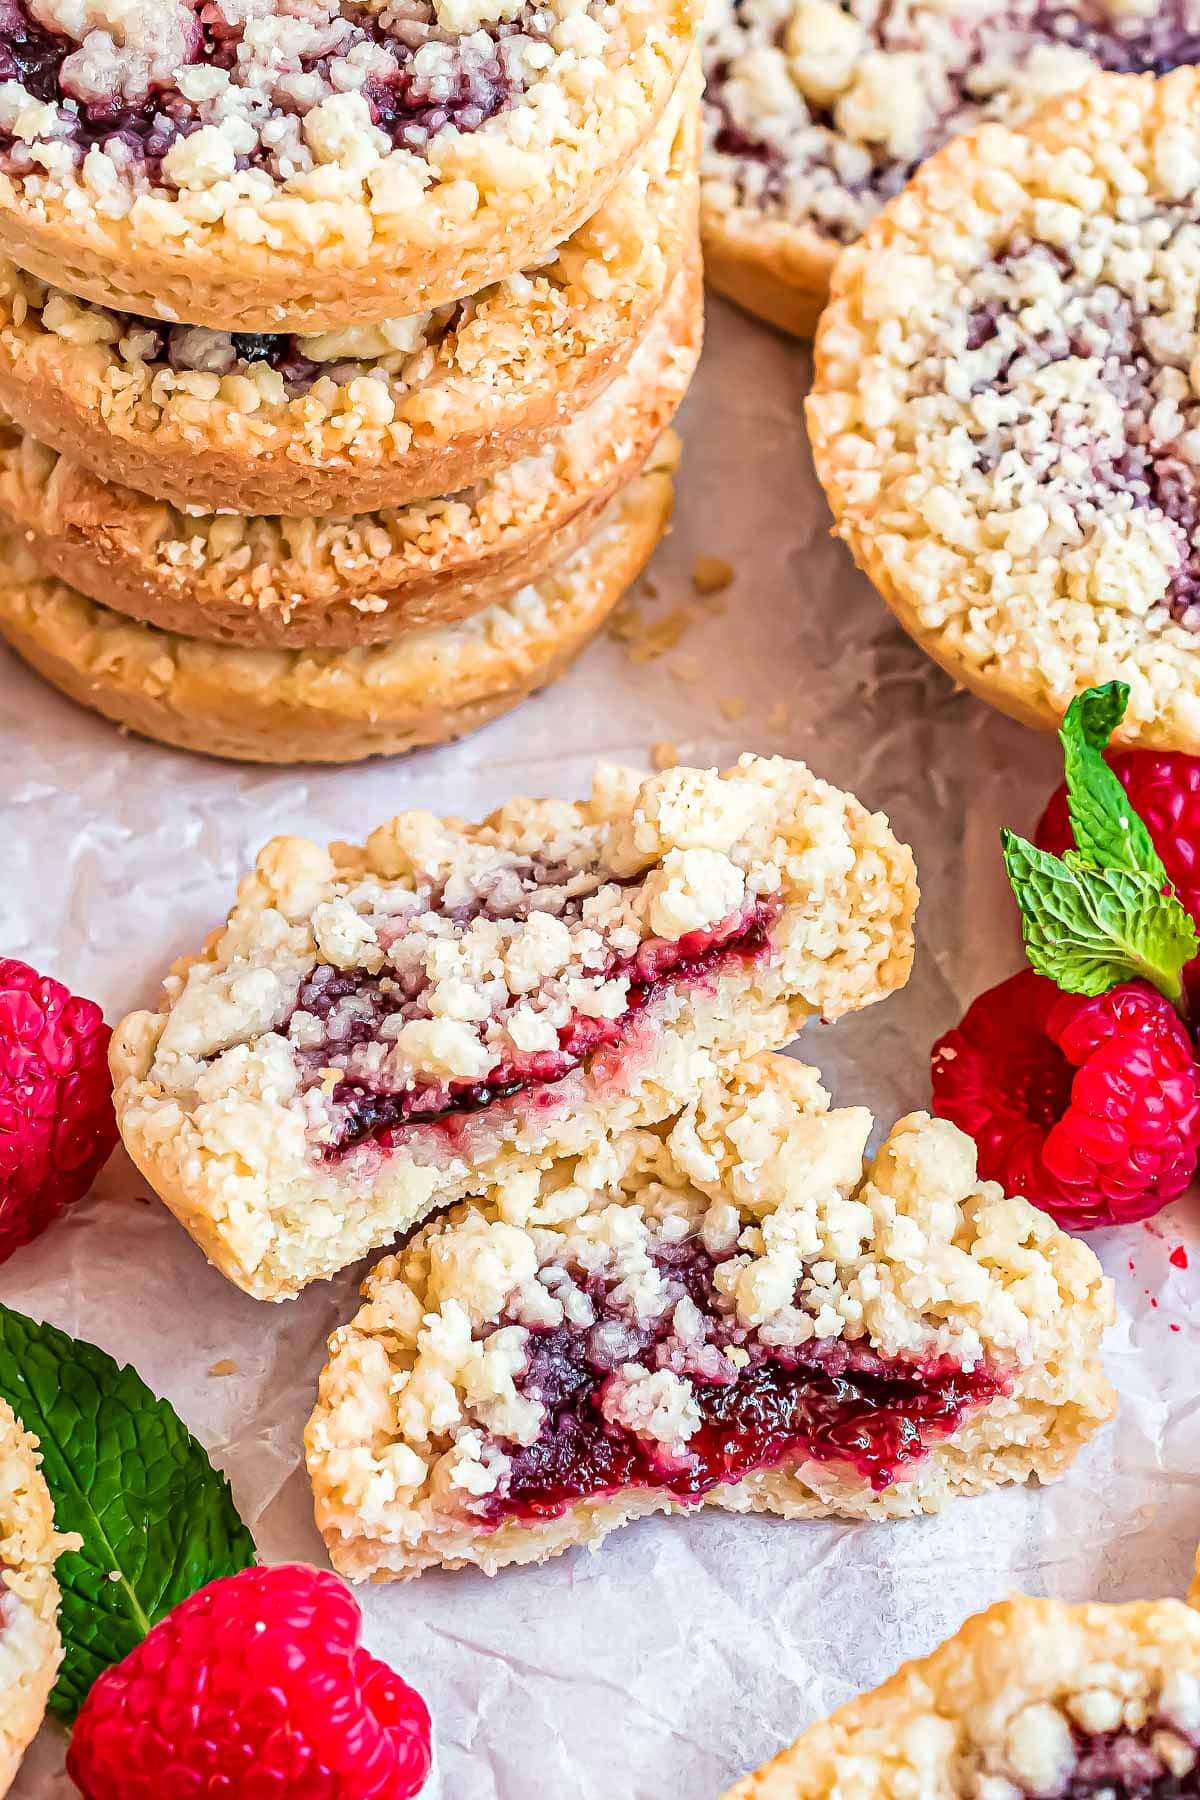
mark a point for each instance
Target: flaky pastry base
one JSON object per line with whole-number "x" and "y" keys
{"x": 367, "y": 579}
{"x": 350, "y": 252}
{"x": 977, "y": 1701}
{"x": 293, "y": 706}
{"x": 28, "y": 1550}
{"x": 534, "y": 354}
{"x": 777, "y": 270}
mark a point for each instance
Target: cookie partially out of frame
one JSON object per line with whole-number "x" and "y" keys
{"x": 256, "y": 166}
{"x": 367, "y": 417}
{"x": 382, "y": 1029}
{"x": 287, "y": 706}
{"x": 30, "y": 1648}
{"x": 817, "y": 112}
{"x": 1005, "y": 415}
{"x": 1032, "y": 1698}
{"x": 734, "y": 1309}
{"x": 367, "y": 578}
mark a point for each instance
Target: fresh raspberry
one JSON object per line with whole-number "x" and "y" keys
{"x": 1089, "y": 1108}
{"x": 254, "y": 1688}
{"x": 57, "y": 1127}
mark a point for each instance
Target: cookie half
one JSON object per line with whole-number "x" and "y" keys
{"x": 30, "y": 1648}
{"x": 1004, "y": 417}
{"x": 288, "y": 706}
{"x": 253, "y": 167}
{"x": 817, "y": 112}
{"x": 733, "y": 1309}
{"x": 370, "y": 578}
{"x": 381, "y": 1029}
{"x": 1031, "y": 1698}
{"x": 371, "y": 416}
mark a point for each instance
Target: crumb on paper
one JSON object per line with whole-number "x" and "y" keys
{"x": 685, "y": 669}
{"x": 777, "y": 718}
{"x": 733, "y": 708}
{"x": 664, "y": 755}
{"x": 645, "y": 642}
{"x": 225, "y": 1367}
{"x": 649, "y": 587}
{"x": 711, "y": 574}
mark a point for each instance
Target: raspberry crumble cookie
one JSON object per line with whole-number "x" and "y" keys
{"x": 368, "y": 578}
{"x": 30, "y": 1650}
{"x": 382, "y": 1029}
{"x": 733, "y": 1308}
{"x": 365, "y": 417}
{"x": 1005, "y": 414}
{"x": 288, "y": 706}
{"x": 304, "y": 165}
{"x": 819, "y": 110}
{"x": 1032, "y": 1700}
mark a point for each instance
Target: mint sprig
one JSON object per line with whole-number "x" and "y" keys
{"x": 1108, "y": 832}
{"x": 1104, "y": 912}
{"x": 156, "y": 1519}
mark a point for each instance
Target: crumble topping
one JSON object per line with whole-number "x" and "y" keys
{"x": 1023, "y": 413}
{"x": 732, "y": 1291}
{"x": 1128, "y": 1737}
{"x": 819, "y": 110}
{"x": 205, "y": 95}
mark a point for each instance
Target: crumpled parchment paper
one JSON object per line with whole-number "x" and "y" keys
{"x": 686, "y": 1651}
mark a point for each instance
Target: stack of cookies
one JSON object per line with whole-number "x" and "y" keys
{"x": 338, "y": 347}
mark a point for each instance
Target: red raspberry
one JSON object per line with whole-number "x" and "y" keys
{"x": 1090, "y": 1108}
{"x": 254, "y": 1688}
{"x": 57, "y": 1127}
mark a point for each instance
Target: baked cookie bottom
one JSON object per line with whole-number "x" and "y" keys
{"x": 334, "y": 583}
{"x": 776, "y": 271}
{"x": 287, "y": 706}
{"x": 467, "y": 391}
{"x": 372, "y": 232}
{"x": 985, "y": 370}
{"x": 30, "y": 1649}
{"x": 491, "y": 1404}
{"x": 1032, "y": 1697}
{"x": 382, "y": 1029}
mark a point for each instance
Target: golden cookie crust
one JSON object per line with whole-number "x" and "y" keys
{"x": 778, "y": 272}
{"x": 997, "y": 1702}
{"x": 30, "y": 1648}
{"x": 334, "y": 583}
{"x": 1030, "y": 588}
{"x": 228, "y": 1050}
{"x": 477, "y": 392}
{"x": 371, "y": 233}
{"x": 290, "y": 706}
{"x": 760, "y": 1170}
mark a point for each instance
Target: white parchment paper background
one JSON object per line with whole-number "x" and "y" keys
{"x": 687, "y": 1650}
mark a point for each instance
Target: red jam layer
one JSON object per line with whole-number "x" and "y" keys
{"x": 828, "y": 1404}
{"x": 381, "y": 1118}
{"x": 1122, "y": 1765}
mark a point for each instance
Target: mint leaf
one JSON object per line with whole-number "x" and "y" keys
{"x": 1108, "y": 832}
{"x": 156, "y": 1519}
{"x": 1087, "y": 929}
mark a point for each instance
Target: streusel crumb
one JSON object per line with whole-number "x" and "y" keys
{"x": 732, "y": 1307}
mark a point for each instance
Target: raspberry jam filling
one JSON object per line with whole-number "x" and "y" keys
{"x": 1127, "y": 1765}
{"x": 1151, "y": 463}
{"x": 757, "y": 1406}
{"x": 978, "y": 60}
{"x": 356, "y": 1010}
{"x": 137, "y": 93}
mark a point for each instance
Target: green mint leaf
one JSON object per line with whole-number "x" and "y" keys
{"x": 1087, "y": 929}
{"x": 156, "y": 1519}
{"x": 1108, "y": 832}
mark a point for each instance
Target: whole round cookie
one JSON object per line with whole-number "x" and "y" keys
{"x": 30, "y": 1648}
{"x": 1031, "y": 1699}
{"x": 369, "y": 578}
{"x": 262, "y": 165}
{"x": 817, "y": 112}
{"x": 371, "y": 416}
{"x": 287, "y": 706}
{"x": 1005, "y": 416}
